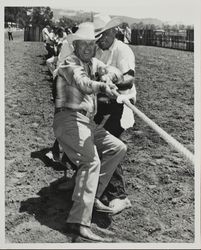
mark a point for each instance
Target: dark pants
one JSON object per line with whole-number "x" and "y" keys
{"x": 113, "y": 123}
{"x": 10, "y": 36}
{"x": 116, "y": 186}
{"x": 54, "y": 89}
{"x": 50, "y": 50}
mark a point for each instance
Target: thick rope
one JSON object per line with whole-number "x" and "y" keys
{"x": 169, "y": 139}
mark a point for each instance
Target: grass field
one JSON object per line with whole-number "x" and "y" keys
{"x": 159, "y": 182}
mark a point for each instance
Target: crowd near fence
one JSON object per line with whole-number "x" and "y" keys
{"x": 179, "y": 39}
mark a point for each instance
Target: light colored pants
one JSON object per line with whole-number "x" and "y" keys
{"x": 51, "y": 63}
{"x": 95, "y": 152}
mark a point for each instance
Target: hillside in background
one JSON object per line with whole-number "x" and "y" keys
{"x": 131, "y": 20}
{"x": 78, "y": 16}
{"x": 87, "y": 16}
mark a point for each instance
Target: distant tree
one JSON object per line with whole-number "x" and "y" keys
{"x": 36, "y": 16}
{"x": 153, "y": 27}
{"x": 142, "y": 26}
{"x": 133, "y": 26}
{"x": 66, "y": 22}
{"x": 17, "y": 15}
{"x": 175, "y": 27}
{"x": 47, "y": 15}
{"x": 189, "y": 27}
{"x": 41, "y": 16}
{"x": 10, "y": 14}
{"x": 182, "y": 27}
{"x": 82, "y": 17}
{"x": 166, "y": 27}
{"x": 150, "y": 26}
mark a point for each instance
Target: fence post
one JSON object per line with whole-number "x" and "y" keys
{"x": 183, "y": 39}
{"x": 32, "y": 34}
{"x": 190, "y": 40}
{"x": 134, "y": 40}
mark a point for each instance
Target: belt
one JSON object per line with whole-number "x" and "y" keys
{"x": 81, "y": 111}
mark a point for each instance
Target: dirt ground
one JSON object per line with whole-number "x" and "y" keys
{"x": 160, "y": 182}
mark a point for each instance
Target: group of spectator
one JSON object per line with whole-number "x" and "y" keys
{"x": 53, "y": 38}
{"x": 90, "y": 67}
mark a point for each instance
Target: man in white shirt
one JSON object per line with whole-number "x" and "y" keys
{"x": 115, "y": 53}
{"x": 45, "y": 33}
{"x": 48, "y": 37}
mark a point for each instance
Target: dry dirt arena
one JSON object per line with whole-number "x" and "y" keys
{"x": 160, "y": 182}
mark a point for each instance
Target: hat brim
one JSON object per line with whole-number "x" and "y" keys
{"x": 74, "y": 37}
{"x": 114, "y": 22}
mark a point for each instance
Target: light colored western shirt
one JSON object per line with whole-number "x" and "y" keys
{"x": 77, "y": 86}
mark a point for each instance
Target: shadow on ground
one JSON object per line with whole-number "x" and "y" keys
{"x": 41, "y": 155}
{"x": 52, "y": 206}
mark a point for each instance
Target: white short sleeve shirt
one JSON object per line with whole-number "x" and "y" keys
{"x": 118, "y": 55}
{"x": 122, "y": 57}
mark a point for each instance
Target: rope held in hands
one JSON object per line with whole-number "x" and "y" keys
{"x": 168, "y": 138}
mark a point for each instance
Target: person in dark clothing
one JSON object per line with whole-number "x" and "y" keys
{"x": 10, "y": 33}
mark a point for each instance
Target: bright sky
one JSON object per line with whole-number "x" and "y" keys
{"x": 183, "y": 11}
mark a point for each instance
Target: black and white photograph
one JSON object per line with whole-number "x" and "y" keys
{"x": 100, "y": 124}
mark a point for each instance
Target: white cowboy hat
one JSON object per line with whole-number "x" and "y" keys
{"x": 104, "y": 22}
{"x": 85, "y": 32}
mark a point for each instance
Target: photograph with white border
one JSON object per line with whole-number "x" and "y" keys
{"x": 100, "y": 124}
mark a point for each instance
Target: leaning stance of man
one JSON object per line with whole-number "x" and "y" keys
{"x": 94, "y": 151}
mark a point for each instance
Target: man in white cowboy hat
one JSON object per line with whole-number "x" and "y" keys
{"x": 94, "y": 151}
{"x": 114, "y": 52}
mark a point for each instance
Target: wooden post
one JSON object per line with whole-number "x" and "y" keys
{"x": 33, "y": 34}
{"x": 134, "y": 40}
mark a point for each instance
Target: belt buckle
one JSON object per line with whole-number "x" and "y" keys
{"x": 85, "y": 113}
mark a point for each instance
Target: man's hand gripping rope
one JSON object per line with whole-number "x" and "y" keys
{"x": 168, "y": 138}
